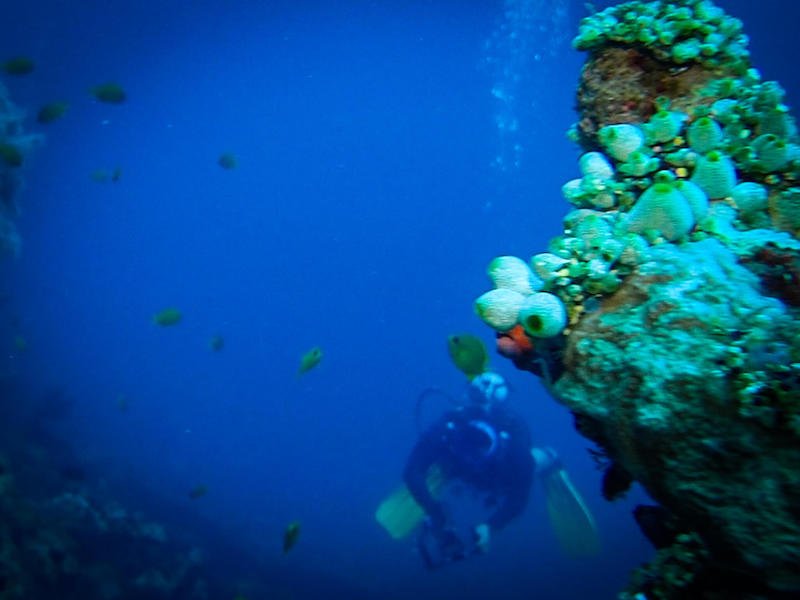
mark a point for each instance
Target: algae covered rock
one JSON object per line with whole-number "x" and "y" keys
{"x": 660, "y": 376}
{"x": 680, "y": 352}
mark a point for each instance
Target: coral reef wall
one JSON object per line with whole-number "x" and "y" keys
{"x": 665, "y": 316}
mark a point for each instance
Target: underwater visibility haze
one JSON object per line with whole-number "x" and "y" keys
{"x": 238, "y": 237}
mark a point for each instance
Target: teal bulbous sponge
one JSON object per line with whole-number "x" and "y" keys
{"x": 664, "y": 126}
{"x": 543, "y": 315}
{"x": 695, "y": 197}
{"x": 596, "y": 165}
{"x": 778, "y": 121}
{"x": 704, "y": 135}
{"x": 499, "y": 308}
{"x": 715, "y": 174}
{"x": 639, "y": 164}
{"x": 687, "y": 50}
{"x": 750, "y": 198}
{"x": 663, "y": 208}
{"x": 620, "y": 140}
{"x": 772, "y": 152}
{"x": 513, "y": 273}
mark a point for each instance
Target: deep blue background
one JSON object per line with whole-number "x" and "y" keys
{"x": 360, "y": 218}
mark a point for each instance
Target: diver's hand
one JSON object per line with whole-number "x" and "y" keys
{"x": 482, "y": 535}
{"x": 436, "y": 518}
{"x": 435, "y": 526}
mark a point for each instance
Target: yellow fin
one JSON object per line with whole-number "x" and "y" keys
{"x": 399, "y": 514}
{"x": 570, "y": 518}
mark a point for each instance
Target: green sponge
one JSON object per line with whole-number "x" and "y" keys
{"x": 695, "y": 196}
{"x": 664, "y": 126}
{"x": 663, "y": 208}
{"x": 704, "y": 135}
{"x": 751, "y": 200}
{"x": 772, "y": 152}
{"x": 543, "y": 315}
{"x": 499, "y": 308}
{"x": 715, "y": 175}
{"x": 620, "y": 140}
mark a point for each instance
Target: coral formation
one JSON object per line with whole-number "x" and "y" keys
{"x": 15, "y": 145}
{"x": 75, "y": 544}
{"x": 678, "y": 271}
{"x": 65, "y": 532}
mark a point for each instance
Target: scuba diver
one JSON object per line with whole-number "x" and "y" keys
{"x": 470, "y": 473}
{"x": 486, "y": 447}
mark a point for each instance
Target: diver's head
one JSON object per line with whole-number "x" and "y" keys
{"x": 488, "y": 389}
{"x": 474, "y": 441}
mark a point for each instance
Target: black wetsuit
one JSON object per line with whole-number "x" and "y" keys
{"x": 506, "y": 475}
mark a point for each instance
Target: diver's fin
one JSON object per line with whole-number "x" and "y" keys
{"x": 570, "y": 518}
{"x": 399, "y": 514}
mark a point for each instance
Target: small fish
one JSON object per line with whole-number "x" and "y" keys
{"x": 227, "y": 160}
{"x": 110, "y": 93}
{"x": 11, "y": 155}
{"x": 468, "y": 354}
{"x": 122, "y": 403}
{"x": 100, "y": 176}
{"x": 216, "y": 343}
{"x": 104, "y": 175}
{"x": 198, "y": 491}
{"x": 290, "y": 536}
{"x": 167, "y": 317}
{"x": 310, "y": 360}
{"x": 20, "y": 343}
{"x": 51, "y": 112}
{"x": 19, "y": 65}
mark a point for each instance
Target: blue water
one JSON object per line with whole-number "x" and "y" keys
{"x": 377, "y": 176}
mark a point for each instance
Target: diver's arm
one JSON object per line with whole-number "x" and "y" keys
{"x": 425, "y": 453}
